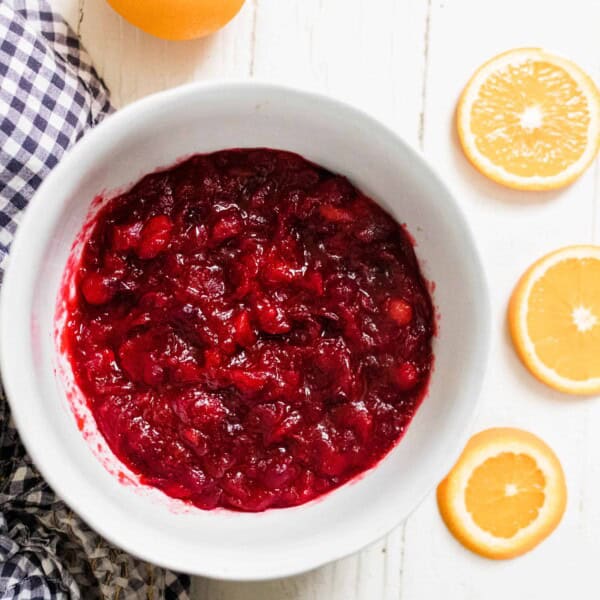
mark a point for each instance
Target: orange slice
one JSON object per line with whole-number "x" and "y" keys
{"x": 505, "y": 494}
{"x": 530, "y": 120}
{"x": 554, "y": 319}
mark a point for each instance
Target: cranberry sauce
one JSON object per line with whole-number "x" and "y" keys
{"x": 249, "y": 330}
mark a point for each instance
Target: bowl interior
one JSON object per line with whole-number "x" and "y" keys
{"x": 202, "y": 118}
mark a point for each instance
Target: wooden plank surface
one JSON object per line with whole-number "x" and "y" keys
{"x": 406, "y": 61}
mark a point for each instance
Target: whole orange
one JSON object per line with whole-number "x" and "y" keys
{"x": 178, "y": 19}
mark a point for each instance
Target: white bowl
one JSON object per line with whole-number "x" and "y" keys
{"x": 156, "y": 132}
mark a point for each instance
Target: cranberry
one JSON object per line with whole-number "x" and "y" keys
{"x": 284, "y": 429}
{"x": 97, "y": 288}
{"x": 400, "y": 311}
{"x": 327, "y": 459}
{"x": 278, "y": 472}
{"x": 313, "y": 281}
{"x": 155, "y": 236}
{"x": 271, "y": 318}
{"x": 251, "y": 330}
{"x": 406, "y": 376}
{"x": 280, "y": 272}
{"x": 197, "y": 440}
{"x": 187, "y": 372}
{"x": 335, "y": 214}
{"x": 247, "y": 381}
{"x": 243, "y": 332}
{"x": 228, "y": 225}
{"x": 127, "y": 236}
{"x": 355, "y": 416}
{"x": 206, "y": 409}
{"x": 217, "y": 465}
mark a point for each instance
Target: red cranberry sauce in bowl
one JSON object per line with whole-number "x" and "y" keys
{"x": 249, "y": 330}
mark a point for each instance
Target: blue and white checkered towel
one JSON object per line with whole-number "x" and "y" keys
{"x": 49, "y": 95}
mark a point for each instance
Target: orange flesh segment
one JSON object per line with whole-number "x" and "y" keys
{"x": 521, "y": 115}
{"x": 567, "y": 294}
{"x": 505, "y": 493}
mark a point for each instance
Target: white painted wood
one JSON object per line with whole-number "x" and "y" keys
{"x": 370, "y": 54}
{"x": 375, "y": 54}
{"x": 135, "y": 64}
{"x": 69, "y": 9}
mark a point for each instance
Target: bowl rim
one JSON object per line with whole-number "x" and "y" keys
{"x": 8, "y": 331}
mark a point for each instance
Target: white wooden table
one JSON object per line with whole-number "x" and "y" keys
{"x": 406, "y": 61}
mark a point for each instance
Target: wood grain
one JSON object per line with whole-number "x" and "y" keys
{"x": 405, "y": 61}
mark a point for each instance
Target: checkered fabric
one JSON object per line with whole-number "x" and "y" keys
{"x": 49, "y": 95}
